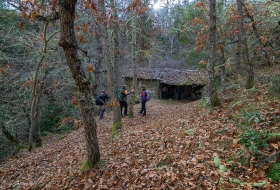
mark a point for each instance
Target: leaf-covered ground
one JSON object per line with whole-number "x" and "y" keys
{"x": 173, "y": 147}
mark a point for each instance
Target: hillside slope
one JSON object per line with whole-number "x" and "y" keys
{"x": 173, "y": 147}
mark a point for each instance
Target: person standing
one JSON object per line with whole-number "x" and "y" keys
{"x": 122, "y": 99}
{"x": 143, "y": 100}
{"x": 164, "y": 92}
{"x": 102, "y": 97}
{"x": 180, "y": 92}
{"x": 172, "y": 92}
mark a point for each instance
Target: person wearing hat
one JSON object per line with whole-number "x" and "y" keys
{"x": 103, "y": 96}
{"x": 143, "y": 99}
{"x": 122, "y": 99}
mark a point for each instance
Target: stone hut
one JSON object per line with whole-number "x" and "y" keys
{"x": 155, "y": 79}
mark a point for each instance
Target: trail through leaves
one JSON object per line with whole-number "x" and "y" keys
{"x": 173, "y": 147}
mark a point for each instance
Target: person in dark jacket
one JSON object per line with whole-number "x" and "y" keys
{"x": 180, "y": 92}
{"x": 122, "y": 99}
{"x": 103, "y": 96}
{"x": 143, "y": 100}
{"x": 164, "y": 92}
{"x": 172, "y": 93}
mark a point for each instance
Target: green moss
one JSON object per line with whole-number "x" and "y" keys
{"x": 236, "y": 181}
{"x": 165, "y": 162}
{"x": 29, "y": 148}
{"x": 39, "y": 144}
{"x": 116, "y": 126}
{"x": 87, "y": 165}
{"x": 63, "y": 136}
{"x": 130, "y": 115}
{"x": 222, "y": 169}
{"x": 21, "y": 148}
{"x": 114, "y": 132}
{"x": 250, "y": 83}
{"x": 217, "y": 162}
{"x": 205, "y": 102}
{"x": 260, "y": 184}
{"x": 45, "y": 133}
{"x": 190, "y": 131}
{"x": 217, "y": 101}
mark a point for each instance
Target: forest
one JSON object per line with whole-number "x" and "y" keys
{"x": 57, "y": 56}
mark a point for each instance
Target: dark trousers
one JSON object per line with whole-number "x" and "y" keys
{"x": 179, "y": 96}
{"x": 164, "y": 95}
{"x": 123, "y": 104}
{"x": 143, "y": 108}
{"x": 101, "y": 112}
{"x": 171, "y": 95}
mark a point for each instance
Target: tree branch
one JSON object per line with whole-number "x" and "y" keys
{"x": 268, "y": 160}
{"x": 49, "y": 18}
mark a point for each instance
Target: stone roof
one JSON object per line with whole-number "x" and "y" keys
{"x": 170, "y": 76}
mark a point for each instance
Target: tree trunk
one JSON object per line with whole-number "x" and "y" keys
{"x": 244, "y": 47}
{"x": 238, "y": 54}
{"x": 116, "y": 111}
{"x": 214, "y": 99}
{"x": 223, "y": 69}
{"x": 134, "y": 66}
{"x": 100, "y": 77}
{"x": 69, "y": 44}
{"x": 7, "y": 134}
{"x": 112, "y": 69}
{"x": 34, "y": 131}
{"x": 146, "y": 29}
{"x": 254, "y": 27}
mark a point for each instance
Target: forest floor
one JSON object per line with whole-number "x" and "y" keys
{"x": 178, "y": 145}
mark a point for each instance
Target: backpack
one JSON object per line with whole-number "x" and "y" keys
{"x": 121, "y": 96}
{"x": 98, "y": 102}
{"x": 149, "y": 95}
{"x": 143, "y": 96}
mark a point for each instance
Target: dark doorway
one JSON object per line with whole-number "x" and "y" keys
{"x": 174, "y": 92}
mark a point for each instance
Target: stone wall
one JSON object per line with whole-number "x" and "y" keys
{"x": 152, "y": 85}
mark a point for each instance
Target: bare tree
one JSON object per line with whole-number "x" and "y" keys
{"x": 34, "y": 131}
{"x": 258, "y": 36}
{"x": 212, "y": 92}
{"x": 69, "y": 44}
{"x": 133, "y": 60}
{"x": 244, "y": 46}
{"x": 111, "y": 64}
{"x": 7, "y": 134}
{"x": 116, "y": 59}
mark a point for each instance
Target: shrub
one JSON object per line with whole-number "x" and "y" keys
{"x": 45, "y": 133}
{"x": 54, "y": 113}
{"x": 275, "y": 87}
{"x": 233, "y": 87}
{"x": 274, "y": 172}
{"x": 205, "y": 102}
{"x": 254, "y": 138}
{"x": 256, "y": 117}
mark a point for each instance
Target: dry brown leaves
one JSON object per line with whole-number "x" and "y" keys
{"x": 171, "y": 148}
